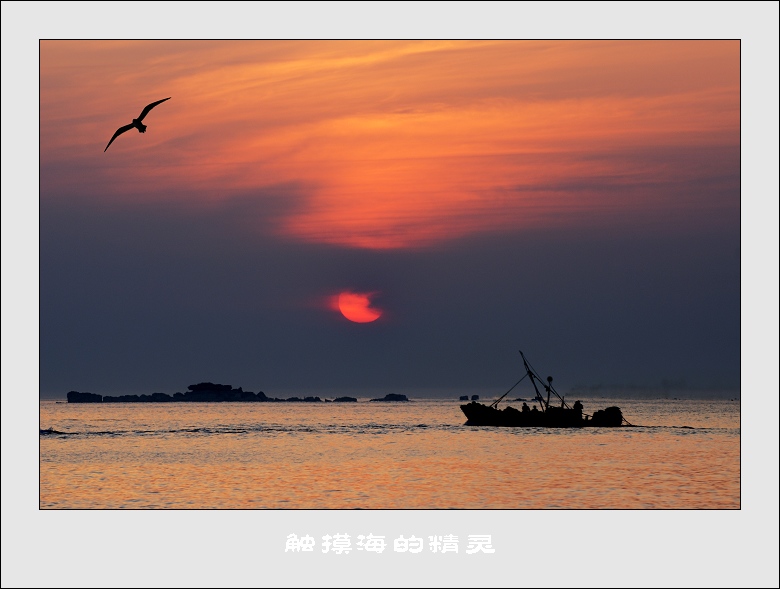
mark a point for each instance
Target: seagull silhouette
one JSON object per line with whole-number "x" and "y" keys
{"x": 136, "y": 122}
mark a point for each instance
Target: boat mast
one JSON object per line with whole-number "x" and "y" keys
{"x": 548, "y": 387}
{"x": 533, "y": 376}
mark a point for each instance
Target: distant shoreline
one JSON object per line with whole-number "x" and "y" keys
{"x": 208, "y": 392}
{"x": 439, "y": 394}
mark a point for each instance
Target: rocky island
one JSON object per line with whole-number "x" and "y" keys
{"x": 392, "y": 397}
{"x": 204, "y": 392}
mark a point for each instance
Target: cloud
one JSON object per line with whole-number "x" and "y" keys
{"x": 398, "y": 144}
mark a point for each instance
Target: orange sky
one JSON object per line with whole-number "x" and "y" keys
{"x": 382, "y": 144}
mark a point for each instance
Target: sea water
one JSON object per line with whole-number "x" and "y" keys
{"x": 682, "y": 454}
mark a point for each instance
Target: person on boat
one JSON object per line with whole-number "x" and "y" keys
{"x": 525, "y": 408}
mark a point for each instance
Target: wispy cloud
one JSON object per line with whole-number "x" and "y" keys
{"x": 398, "y": 144}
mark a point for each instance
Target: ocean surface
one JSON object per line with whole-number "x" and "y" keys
{"x": 683, "y": 454}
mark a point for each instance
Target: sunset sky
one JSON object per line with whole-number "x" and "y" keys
{"x": 578, "y": 200}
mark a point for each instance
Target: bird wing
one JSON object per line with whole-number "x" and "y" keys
{"x": 149, "y": 107}
{"x": 119, "y": 131}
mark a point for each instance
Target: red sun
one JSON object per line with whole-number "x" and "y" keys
{"x": 356, "y": 306}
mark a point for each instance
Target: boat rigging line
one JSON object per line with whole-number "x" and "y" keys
{"x": 494, "y": 403}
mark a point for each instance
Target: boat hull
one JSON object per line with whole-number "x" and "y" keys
{"x": 478, "y": 414}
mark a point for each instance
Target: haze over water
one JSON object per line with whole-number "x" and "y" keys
{"x": 415, "y": 455}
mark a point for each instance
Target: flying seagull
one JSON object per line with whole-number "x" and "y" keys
{"x": 136, "y": 122}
